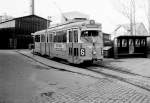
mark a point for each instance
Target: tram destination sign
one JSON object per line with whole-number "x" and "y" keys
{"x": 60, "y": 46}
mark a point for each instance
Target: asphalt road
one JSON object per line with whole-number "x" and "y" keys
{"x": 16, "y": 85}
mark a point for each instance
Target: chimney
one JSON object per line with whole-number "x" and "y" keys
{"x": 32, "y": 7}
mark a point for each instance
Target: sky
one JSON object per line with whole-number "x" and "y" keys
{"x": 102, "y": 11}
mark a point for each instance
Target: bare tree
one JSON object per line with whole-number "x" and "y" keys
{"x": 146, "y": 6}
{"x": 127, "y": 8}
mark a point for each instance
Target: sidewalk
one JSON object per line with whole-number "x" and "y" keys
{"x": 82, "y": 86}
{"x": 139, "y": 66}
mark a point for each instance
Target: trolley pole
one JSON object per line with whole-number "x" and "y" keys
{"x": 33, "y": 45}
{"x": 48, "y": 24}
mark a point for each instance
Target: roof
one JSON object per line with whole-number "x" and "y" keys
{"x": 24, "y": 17}
{"x": 106, "y": 33}
{"x": 127, "y": 26}
{"x": 75, "y": 14}
{"x": 68, "y": 24}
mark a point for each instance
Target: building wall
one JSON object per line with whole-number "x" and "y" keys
{"x": 9, "y": 24}
{"x": 16, "y": 33}
{"x": 30, "y": 25}
{"x": 140, "y": 30}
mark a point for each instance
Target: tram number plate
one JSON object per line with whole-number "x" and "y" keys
{"x": 82, "y": 52}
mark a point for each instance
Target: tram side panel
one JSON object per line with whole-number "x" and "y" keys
{"x": 42, "y": 47}
{"x": 37, "y": 44}
{"x": 59, "y": 50}
{"x": 99, "y": 51}
{"x": 86, "y": 51}
{"x": 47, "y": 50}
{"x": 37, "y": 47}
{"x": 72, "y": 53}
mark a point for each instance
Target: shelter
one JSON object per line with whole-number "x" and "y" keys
{"x": 124, "y": 29}
{"x": 137, "y": 46}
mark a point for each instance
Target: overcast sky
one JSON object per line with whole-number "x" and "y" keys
{"x": 103, "y": 11}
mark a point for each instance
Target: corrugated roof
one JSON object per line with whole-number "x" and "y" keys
{"x": 23, "y": 17}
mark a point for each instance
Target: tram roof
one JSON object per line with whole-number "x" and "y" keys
{"x": 66, "y": 25}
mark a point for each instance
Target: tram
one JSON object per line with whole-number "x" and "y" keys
{"x": 76, "y": 41}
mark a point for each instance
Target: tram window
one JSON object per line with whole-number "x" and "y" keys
{"x": 37, "y": 38}
{"x": 89, "y": 33}
{"x": 61, "y": 36}
{"x": 76, "y": 52}
{"x": 64, "y": 36}
{"x": 75, "y": 35}
{"x": 43, "y": 38}
{"x": 70, "y": 36}
{"x": 55, "y": 38}
{"x": 50, "y": 37}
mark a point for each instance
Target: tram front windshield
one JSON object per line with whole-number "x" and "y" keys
{"x": 90, "y": 36}
{"x": 89, "y": 33}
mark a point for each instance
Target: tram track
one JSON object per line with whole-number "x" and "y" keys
{"x": 99, "y": 69}
{"x": 131, "y": 80}
{"x": 126, "y": 80}
{"x": 95, "y": 68}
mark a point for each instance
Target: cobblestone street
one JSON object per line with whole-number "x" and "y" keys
{"x": 33, "y": 79}
{"x": 103, "y": 91}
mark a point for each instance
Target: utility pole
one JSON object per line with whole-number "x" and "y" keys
{"x": 148, "y": 16}
{"x": 48, "y": 24}
{"x": 134, "y": 22}
{"x": 132, "y": 18}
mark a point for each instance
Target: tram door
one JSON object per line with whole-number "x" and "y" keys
{"x": 131, "y": 46}
{"x": 73, "y": 45}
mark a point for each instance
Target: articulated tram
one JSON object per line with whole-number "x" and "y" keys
{"x": 75, "y": 42}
